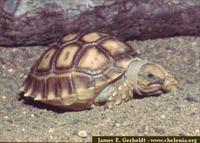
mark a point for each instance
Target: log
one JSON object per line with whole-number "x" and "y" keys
{"x": 126, "y": 19}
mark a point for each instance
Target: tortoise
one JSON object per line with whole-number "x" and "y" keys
{"x": 84, "y": 70}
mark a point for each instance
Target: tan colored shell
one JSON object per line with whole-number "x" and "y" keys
{"x": 71, "y": 75}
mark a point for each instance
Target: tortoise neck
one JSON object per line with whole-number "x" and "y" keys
{"x": 132, "y": 74}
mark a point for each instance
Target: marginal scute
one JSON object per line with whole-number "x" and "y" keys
{"x": 67, "y": 101}
{"x": 52, "y": 88}
{"x": 65, "y": 87}
{"x": 81, "y": 82}
{"x": 100, "y": 81}
{"x": 31, "y": 88}
{"x": 46, "y": 60}
{"x": 93, "y": 59}
{"x": 40, "y": 91}
{"x": 91, "y": 37}
{"x": 26, "y": 85}
{"x": 123, "y": 63}
{"x": 112, "y": 73}
{"x": 39, "y": 97}
{"x": 66, "y": 56}
{"x": 86, "y": 94}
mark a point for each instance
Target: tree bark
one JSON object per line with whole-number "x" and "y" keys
{"x": 126, "y": 19}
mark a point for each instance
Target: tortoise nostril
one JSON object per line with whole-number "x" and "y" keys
{"x": 163, "y": 80}
{"x": 157, "y": 80}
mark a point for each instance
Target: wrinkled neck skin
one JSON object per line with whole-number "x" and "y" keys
{"x": 132, "y": 75}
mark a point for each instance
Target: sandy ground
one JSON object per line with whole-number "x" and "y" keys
{"x": 175, "y": 113}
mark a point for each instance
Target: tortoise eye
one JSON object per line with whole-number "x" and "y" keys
{"x": 154, "y": 79}
{"x": 150, "y": 77}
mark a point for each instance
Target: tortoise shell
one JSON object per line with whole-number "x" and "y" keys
{"x": 72, "y": 73}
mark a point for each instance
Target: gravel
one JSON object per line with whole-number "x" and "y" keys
{"x": 175, "y": 113}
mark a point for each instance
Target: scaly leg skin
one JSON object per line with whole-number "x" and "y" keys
{"x": 115, "y": 94}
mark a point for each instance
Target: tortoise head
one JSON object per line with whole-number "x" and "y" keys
{"x": 149, "y": 78}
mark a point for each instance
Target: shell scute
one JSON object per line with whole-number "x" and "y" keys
{"x": 46, "y": 60}
{"x": 65, "y": 88}
{"x": 91, "y": 37}
{"x": 116, "y": 47}
{"x": 93, "y": 59}
{"x": 70, "y": 37}
{"x": 66, "y": 56}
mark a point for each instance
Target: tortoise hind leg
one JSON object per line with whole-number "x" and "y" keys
{"x": 116, "y": 93}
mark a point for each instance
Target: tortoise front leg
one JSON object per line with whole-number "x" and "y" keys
{"x": 116, "y": 93}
